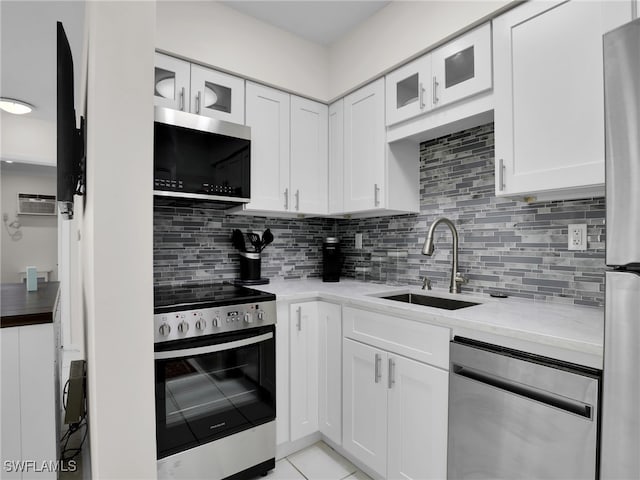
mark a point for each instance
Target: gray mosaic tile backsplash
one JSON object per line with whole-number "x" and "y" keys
{"x": 505, "y": 245}
{"x": 192, "y": 243}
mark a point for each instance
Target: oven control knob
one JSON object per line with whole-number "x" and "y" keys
{"x": 260, "y": 315}
{"x": 248, "y": 318}
{"x": 201, "y": 324}
{"x": 216, "y": 322}
{"x": 183, "y": 327}
{"x": 165, "y": 329}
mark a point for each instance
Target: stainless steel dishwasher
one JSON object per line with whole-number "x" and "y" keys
{"x": 516, "y": 415}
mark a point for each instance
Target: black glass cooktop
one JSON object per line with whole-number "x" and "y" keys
{"x": 172, "y": 298}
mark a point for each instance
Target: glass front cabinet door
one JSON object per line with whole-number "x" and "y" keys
{"x": 462, "y": 67}
{"x": 407, "y": 90}
{"x": 185, "y": 86}
{"x": 217, "y": 95}
{"x": 172, "y": 78}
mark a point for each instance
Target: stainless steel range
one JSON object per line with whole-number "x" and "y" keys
{"x": 215, "y": 381}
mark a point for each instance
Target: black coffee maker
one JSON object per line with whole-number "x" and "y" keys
{"x": 331, "y": 260}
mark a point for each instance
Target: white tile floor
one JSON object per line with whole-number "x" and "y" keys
{"x": 317, "y": 462}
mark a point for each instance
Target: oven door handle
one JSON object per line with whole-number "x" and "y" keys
{"x": 190, "y": 352}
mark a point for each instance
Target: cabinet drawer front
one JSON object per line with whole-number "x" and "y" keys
{"x": 420, "y": 341}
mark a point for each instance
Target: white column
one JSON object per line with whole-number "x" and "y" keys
{"x": 117, "y": 239}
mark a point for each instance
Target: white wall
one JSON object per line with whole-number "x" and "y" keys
{"x": 217, "y": 35}
{"x": 397, "y": 32}
{"x": 36, "y": 244}
{"x": 27, "y": 139}
{"x": 117, "y": 239}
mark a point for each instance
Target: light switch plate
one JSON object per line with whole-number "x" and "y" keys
{"x": 577, "y": 236}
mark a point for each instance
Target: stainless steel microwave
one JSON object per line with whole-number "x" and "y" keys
{"x": 200, "y": 158}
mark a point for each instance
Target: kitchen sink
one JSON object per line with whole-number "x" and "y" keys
{"x": 427, "y": 301}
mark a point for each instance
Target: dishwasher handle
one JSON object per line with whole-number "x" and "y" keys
{"x": 572, "y": 406}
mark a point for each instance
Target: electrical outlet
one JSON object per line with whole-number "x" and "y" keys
{"x": 577, "y": 236}
{"x": 358, "y": 245}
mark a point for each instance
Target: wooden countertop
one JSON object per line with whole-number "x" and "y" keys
{"x": 20, "y": 307}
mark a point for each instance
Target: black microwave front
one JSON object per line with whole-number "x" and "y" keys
{"x": 200, "y": 157}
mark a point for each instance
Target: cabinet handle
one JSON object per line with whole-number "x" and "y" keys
{"x": 421, "y": 95}
{"x": 435, "y": 90}
{"x": 378, "y": 374}
{"x": 376, "y": 194}
{"x": 299, "y": 322}
{"x": 501, "y": 175}
{"x": 286, "y": 199}
{"x": 297, "y": 200}
{"x": 198, "y": 96}
{"x": 392, "y": 373}
{"x": 182, "y": 99}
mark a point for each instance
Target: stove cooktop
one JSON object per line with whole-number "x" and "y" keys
{"x": 172, "y": 298}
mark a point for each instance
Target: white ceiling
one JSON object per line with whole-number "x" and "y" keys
{"x": 322, "y": 22}
{"x": 28, "y": 50}
{"x": 28, "y": 38}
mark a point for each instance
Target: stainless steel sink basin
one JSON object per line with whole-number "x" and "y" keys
{"x": 427, "y": 301}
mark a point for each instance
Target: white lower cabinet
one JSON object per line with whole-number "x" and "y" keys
{"x": 365, "y": 404}
{"x": 330, "y": 369}
{"x": 303, "y": 352}
{"x": 28, "y": 413}
{"x": 282, "y": 374}
{"x": 309, "y": 368}
{"x": 417, "y": 420}
{"x": 395, "y": 408}
{"x": 388, "y": 412}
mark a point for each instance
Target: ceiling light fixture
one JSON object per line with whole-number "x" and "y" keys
{"x": 17, "y": 107}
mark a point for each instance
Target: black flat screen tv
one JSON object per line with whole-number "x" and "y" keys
{"x": 71, "y": 151}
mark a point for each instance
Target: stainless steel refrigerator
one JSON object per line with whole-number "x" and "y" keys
{"x": 620, "y": 439}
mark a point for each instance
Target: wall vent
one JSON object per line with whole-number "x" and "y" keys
{"x": 36, "y": 204}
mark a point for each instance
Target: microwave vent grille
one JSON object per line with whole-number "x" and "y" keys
{"x": 36, "y": 204}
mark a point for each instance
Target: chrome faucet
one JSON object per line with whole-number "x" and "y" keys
{"x": 428, "y": 248}
{"x": 426, "y": 283}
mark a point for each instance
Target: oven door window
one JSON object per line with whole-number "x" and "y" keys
{"x": 201, "y": 397}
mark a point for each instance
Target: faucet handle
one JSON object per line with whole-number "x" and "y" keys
{"x": 426, "y": 283}
{"x": 460, "y": 279}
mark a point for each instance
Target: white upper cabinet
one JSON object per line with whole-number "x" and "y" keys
{"x": 268, "y": 115}
{"x": 309, "y": 156}
{"x": 336, "y": 157}
{"x": 549, "y": 100}
{"x": 181, "y": 85}
{"x": 456, "y": 70}
{"x": 289, "y": 153}
{"x": 379, "y": 178}
{"x": 462, "y": 67}
{"x": 217, "y": 95}
{"x": 407, "y": 90}
{"x": 364, "y": 148}
{"x": 172, "y": 82}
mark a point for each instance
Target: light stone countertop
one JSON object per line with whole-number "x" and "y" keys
{"x": 565, "y": 332}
